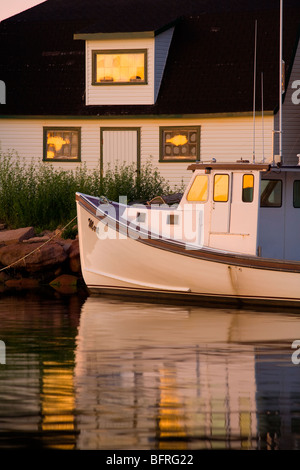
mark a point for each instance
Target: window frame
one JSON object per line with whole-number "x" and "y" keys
{"x": 61, "y": 129}
{"x": 163, "y": 129}
{"x": 200, "y": 201}
{"x": 228, "y": 187}
{"x": 248, "y": 174}
{"x": 295, "y": 181}
{"x": 281, "y": 186}
{"x": 119, "y": 51}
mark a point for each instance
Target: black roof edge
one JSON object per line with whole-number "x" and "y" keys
{"x": 85, "y": 34}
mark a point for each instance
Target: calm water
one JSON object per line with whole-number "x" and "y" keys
{"x": 96, "y": 373}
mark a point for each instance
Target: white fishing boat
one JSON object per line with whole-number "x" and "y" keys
{"x": 234, "y": 236}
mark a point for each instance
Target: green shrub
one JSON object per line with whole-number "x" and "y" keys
{"x": 44, "y": 197}
{"x": 136, "y": 185}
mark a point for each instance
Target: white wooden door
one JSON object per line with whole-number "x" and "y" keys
{"x": 119, "y": 146}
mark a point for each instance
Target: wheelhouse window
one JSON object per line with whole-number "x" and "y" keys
{"x": 271, "y": 193}
{"x": 62, "y": 144}
{"x": 296, "y": 194}
{"x": 248, "y": 185}
{"x": 119, "y": 67}
{"x": 221, "y": 188}
{"x": 198, "y": 190}
{"x": 179, "y": 144}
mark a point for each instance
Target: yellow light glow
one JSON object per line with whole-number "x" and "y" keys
{"x": 120, "y": 68}
{"x": 57, "y": 141}
{"x": 177, "y": 140}
{"x": 58, "y": 402}
{"x": 248, "y": 181}
{"x": 198, "y": 191}
{"x": 172, "y": 421}
{"x": 50, "y": 154}
{"x": 221, "y": 188}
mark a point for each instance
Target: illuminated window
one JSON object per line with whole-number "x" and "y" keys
{"x": 198, "y": 191}
{"x": 248, "y": 185}
{"x": 221, "y": 188}
{"x": 271, "y": 193}
{"x": 119, "y": 67}
{"x": 62, "y": 144}
{"x": 179, "y": 144}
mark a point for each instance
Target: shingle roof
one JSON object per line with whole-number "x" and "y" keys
{"x": 209, "y": 67}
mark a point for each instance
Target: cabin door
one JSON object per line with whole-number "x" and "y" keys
{"x": 221, "y": 202}
{"x": 119, "y": 146}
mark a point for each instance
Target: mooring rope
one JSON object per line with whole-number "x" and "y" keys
{"x": 59, "y": 232}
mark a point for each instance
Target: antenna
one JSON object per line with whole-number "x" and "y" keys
{"x": 254, "y": 89}
{"x": 262, "y": 116}
{"x": 280, "y": 81}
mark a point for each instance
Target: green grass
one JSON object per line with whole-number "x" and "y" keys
{"x": 43, "y": 196}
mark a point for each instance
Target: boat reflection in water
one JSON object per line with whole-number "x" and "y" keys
{"x": 173, "y": 377}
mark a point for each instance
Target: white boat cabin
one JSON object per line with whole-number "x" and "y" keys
{"x": 248, "y": 208}
{"x": 243, "y": 208}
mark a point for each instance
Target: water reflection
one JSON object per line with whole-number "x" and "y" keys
{"x": 150, "y": 376}
{"x": 37, "y": 395}
{"x": 101, "y": 374}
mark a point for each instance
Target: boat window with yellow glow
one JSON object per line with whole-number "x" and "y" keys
{"x": 119, "y": 67}
{"x": 198, "y": 191}
{"x": 221, "y": 188}
{"x": 248, "y": 185}
{"x": 62, "y": 144}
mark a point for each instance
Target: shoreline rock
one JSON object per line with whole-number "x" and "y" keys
{"x": 9, "y": 237}
{"x": 28, "y": 261}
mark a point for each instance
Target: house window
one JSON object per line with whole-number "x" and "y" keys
{"x": 62, "y": 144}
{"x": 179, "y": 144}
{"x": 221, "y": 188}
{"x": 271, "y": 193}
{"x": 198, "y": 191}
{"x": 248, "y": 185}
{"x": 119, "y": 67}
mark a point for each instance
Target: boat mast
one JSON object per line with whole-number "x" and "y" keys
{"x": 254, "y": 89}
{"x": 262, "y": 117}
{"x": 280, "y": 81}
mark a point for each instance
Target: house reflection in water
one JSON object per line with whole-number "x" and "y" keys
{"x": 58, "y": 406}
{"x": 37, "y": 396}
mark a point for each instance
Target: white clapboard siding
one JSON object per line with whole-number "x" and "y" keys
{"x": 226, "y": 139}
{"x": 122, "y": 94}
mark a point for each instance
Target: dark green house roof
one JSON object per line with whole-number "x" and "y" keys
{"x": 209, "y": 68}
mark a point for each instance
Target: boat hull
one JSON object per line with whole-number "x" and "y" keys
{"x": 114, "y": 263}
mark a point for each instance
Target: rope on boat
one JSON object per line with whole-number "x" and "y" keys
{"x": 59, "y": 232}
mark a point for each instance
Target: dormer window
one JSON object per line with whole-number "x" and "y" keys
{"x": 120, "y": 67}
{"x": 125, "y": 68}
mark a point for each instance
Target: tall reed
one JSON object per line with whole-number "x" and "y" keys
{"x": 43, "y": 196}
